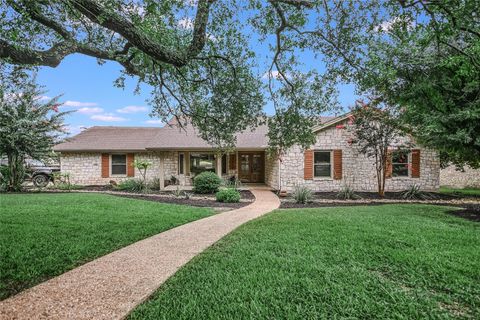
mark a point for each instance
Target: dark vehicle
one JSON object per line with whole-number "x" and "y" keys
{"x": 37, "y": 171}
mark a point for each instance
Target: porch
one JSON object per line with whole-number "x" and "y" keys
{"x": 247, "y": 166}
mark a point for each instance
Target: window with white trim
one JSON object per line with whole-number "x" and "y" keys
{"x": 119, "y": 164}
{"x": 200, "y": 162}
{"x": 322, "y": 164}
{"x": 400, "y": 163}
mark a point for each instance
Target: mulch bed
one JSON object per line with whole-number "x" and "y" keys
{"x": 388, "y": 196}
{"x": 165, "y": 197}
{"x": 470, "y": 211}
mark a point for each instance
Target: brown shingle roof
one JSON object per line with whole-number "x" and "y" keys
{"x": 110, "y": 139}
{"x": 172, "y": 137}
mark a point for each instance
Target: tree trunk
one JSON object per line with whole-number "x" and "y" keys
{"x": 16, "y": 172}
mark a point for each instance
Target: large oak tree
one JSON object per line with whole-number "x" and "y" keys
{"x": 204, "y": 58}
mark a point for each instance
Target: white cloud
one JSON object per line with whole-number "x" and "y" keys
{"x": 87, "y": 110}
{"x": 107, "y": 117}
{"x": 73, "y": 130}
{"x": 132, "y": 109}
{"x": 157, "y": 121}
{"x": 275, "y": 75}
{"x": 43, "y": 98}
{"x": 387, "y": 26}
{"x": 186, "y": 23}
{"x": 78, "y": 104}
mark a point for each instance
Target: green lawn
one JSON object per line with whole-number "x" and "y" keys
{"x": 460, "y": 192}
{"x": 44, "y": 235}
{"x": 389, "y": 262}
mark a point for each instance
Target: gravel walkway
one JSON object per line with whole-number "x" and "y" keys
{"x": 111, "y": 286}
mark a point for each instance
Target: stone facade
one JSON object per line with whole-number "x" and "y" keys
{"x": 460, "y": 179}
{"x": 281, "y": 174}
{"x": 86, "y": 168}
{"x": 358, "y": 170}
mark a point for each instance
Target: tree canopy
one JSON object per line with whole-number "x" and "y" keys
{"x": 29, "y": 126}
{"x": 198, "y": 57}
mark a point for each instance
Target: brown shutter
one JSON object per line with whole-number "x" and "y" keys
{"x": 415, "y": 163}
{"x": 105, "y": 165}
{"x": 389, "y": 164}
{"x": 308, "y": 165}
{"x": 232, "y": 161}
{"x": 337, "y": 164}
{"x": 130, "y": 167}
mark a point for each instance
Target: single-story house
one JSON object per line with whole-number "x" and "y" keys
{"x": 99, "y": 155}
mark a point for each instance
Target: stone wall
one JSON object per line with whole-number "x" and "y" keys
{"x": 460, "y": 179}
{"x": 271, "y": 171}
{"x": 86, "y": 169}
{"x": 358, "y": 170}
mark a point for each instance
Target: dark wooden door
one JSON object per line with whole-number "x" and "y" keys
{"x": 251, "y": 166}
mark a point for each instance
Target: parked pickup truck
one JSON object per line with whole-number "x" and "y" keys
{"x": 37, "y": 171}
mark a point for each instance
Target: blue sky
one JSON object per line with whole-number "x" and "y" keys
{"x": 87, "y": 88}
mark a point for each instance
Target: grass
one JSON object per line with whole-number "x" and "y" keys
{"x": 44, "y": 235}
{"x": 460, "y": 192}
{"x": 390, "y": 261}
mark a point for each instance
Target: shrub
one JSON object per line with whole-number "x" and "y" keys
{"x": 228, "y": 195}
{"x": 68, "y": 186}
{"x": 154, "y": 184}
{"x": 4, "y": 177}
{"x": 347, "y": 193}
{"x": 206, "y": 182}
{"x": 131, "y": 185}
{"x": 302, "y": 194}
{"x": 414, "y": 193}
{"x": 232, "y": 182}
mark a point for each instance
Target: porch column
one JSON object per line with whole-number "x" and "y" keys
{"x": 162, "y": 171}
{"x": 219, "y": 164}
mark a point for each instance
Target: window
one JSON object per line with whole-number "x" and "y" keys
{"x": 400, "y": 164}
{"x": 224, "y": 164}
{"x": 322, "y": 164}
{"x": 181, "y": 162}
{"x": 119, "y": 164}
{"x": 200, "y": 162}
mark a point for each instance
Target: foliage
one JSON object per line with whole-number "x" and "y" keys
{"x": 430, "y": 70}
{"x": 206, "y": 182}
{"x": 374, "y": 130}
{"x": 68, "y": 186}
{"x": 302, "y": 194}
{"x": 131, "y": 185}
{"x": 4, "y": 177}
{"x": 92, "y": 225}
{"x": 205, "y": 69}
{"x": 347, "y": 193}
{"x": 232, "y": 182}
{"x": 28, "y": 126}
{"x": 61, "y": 181}
{"x": 414, "y": 192}
{"x": 228, "y": 195}
{"x": 414, "y": 261}
{"x": 142, "y": 166}
{"x": 465, "y": 192}
{"x": 154, "y": 183}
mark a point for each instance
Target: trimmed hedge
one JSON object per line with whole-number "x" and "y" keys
{"x": 206, "y": 182}
{"x": 228, "y": 195}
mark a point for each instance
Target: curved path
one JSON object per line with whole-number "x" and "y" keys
{"x": 111, "y": 286}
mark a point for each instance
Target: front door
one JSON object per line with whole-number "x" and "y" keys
{"x": 252, "y": 166}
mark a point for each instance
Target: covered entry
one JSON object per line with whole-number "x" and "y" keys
{"x": 251, "y": 166}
